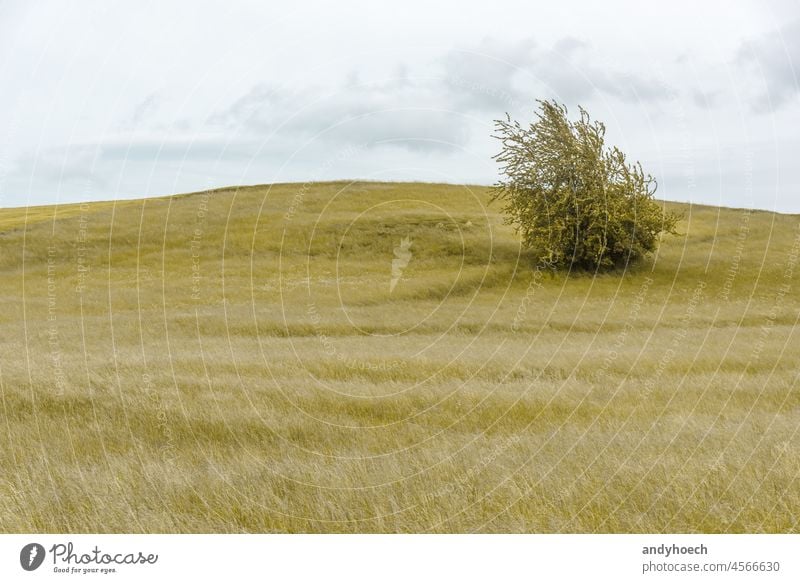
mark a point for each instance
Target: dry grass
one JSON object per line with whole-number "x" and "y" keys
{"x": 168, "y": 367}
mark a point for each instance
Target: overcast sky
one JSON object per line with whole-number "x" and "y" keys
{"x": 104, "y": 100}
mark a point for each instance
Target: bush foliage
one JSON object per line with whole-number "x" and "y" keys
{"x": 577, "y": 201}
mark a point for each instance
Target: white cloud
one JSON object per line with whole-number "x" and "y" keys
{"x": 144, "y": 100}
{"x": 773, "y": 64}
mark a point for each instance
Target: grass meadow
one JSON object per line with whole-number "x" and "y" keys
{"x": 375, "y": 357}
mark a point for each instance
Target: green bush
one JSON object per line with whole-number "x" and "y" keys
{"x": 571, "y": 197}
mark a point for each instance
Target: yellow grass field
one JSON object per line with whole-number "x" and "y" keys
{"x": 383, "y": 357}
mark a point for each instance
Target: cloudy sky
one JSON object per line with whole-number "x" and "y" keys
{"x": 105, "y": 100}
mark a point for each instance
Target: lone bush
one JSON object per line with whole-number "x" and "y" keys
{"x": 571, "y": 197}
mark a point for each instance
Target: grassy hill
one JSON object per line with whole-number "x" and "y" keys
{"x": 359, "y": 357}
